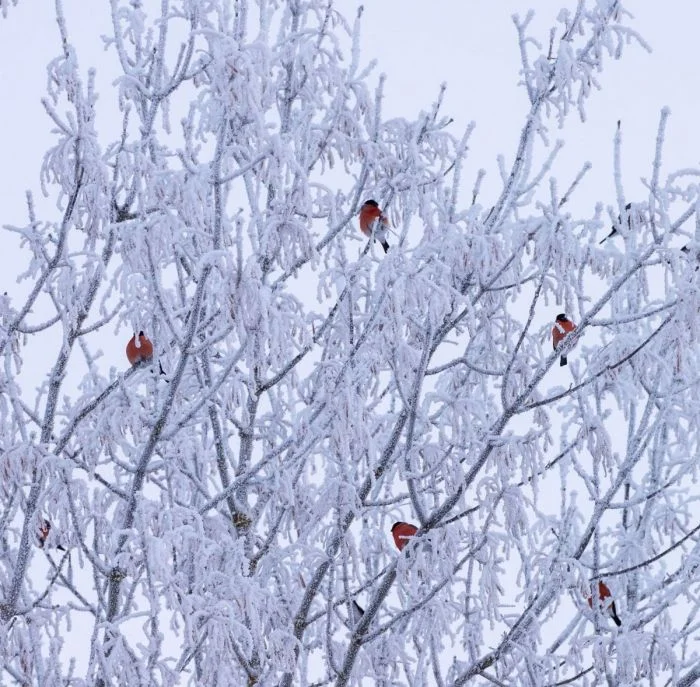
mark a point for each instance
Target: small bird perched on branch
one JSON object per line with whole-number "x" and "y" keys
{"x": 562, "y": 326}
{"x": 402, "y": 533}
{"x": 372, "y": 218}
{"x": 44, "y": 530}
{"x": 634, "y": 215}
{"x": 140, "y": 350}
{"x": 603, "y": 594}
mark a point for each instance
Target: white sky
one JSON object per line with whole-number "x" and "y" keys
{"x": 469, "y": 44}
{"x": 472, "y": 46}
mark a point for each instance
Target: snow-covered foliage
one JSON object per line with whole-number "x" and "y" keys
{"x": 221, "y": 508}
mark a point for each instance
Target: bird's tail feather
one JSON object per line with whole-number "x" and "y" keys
{"x": 614, "y": 616}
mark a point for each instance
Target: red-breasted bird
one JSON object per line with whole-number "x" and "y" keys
{"x": 44, "y": 530}
{"x": 138, "y": 351}
{"x": 402, "y": 533}
{"x": 372, "y": 218}
{"x": 603, "y": 594}
{"x": 562, "y": 326}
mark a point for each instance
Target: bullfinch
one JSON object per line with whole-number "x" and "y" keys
{"x": 372, "y": 218}
{"x": 562, "y": 326}
{"x": 402, "y": 533}
{"x": 603, "y": 594}
{"x": 139, "y": 351}
{"x": 44, "y": 530}
{"x": 633, "y": 216}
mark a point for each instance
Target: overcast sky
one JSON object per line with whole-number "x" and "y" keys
{"x": 471, "y": 45}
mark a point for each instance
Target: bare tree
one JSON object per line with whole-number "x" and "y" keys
{"x": 220, "y": 512}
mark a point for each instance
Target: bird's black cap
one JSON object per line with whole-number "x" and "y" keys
{"x": 561, "y": 317}
{"x": 372, "y": 202}
{"x": 140, "y": 334}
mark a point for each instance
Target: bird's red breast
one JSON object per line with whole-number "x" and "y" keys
{"x": 560, "y": 329}
{"x": 370, "y": 213}
{"x": 603, "y": 593}
{"x": 402, "y": 533}
{"x": 143, "y": 351}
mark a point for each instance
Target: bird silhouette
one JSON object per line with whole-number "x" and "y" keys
{"x": 633, "y": 215}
